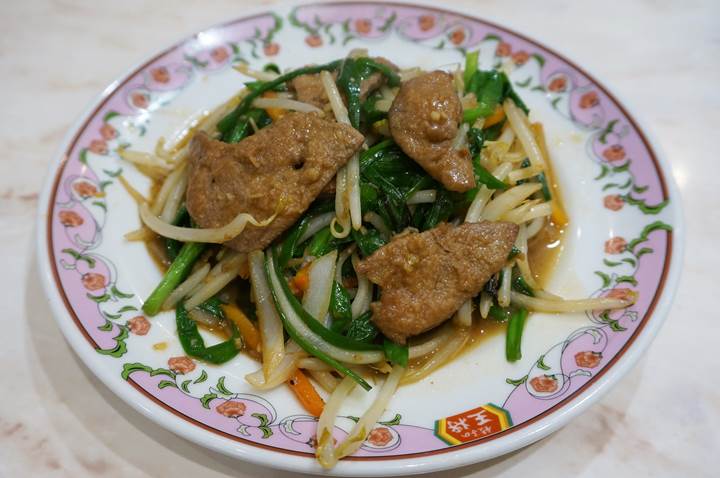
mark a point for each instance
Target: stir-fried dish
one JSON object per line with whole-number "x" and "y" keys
{"x": 352, "y": 220}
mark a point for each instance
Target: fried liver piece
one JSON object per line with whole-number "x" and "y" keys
{"x": 425, "y": 277}
{"x": 309, "y": 88}
{"x": 423, "y": 120}
{"x": 293, "y": 159}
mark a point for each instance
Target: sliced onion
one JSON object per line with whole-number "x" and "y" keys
{"x": 269, "y": 323}
{"x": 339, "y": 354}
{"x": 315, "y": 225}
{"x": 321, "y": 275}
{"x": 438, "y": 337}
{"x": 312, "y": 363}
{"x": 280, "y": 374}
{"x": 447, "y": 351}
{"x": 326, "y": 380}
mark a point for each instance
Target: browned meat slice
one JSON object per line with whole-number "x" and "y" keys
{"x": 309, "y": 88}
{"x": 426, "y": 277}
{"x": 375, "y": 80}
{"x": 292, "y": 159}
{"x": 423, "y": 120}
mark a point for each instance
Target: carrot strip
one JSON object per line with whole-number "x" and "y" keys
{"x": 306, "y": 393}
{"x": 274, "y": 113}
{"x": 559, "y": 216}
{"x": 300, "y": 283}
{"x": 247, "y": 329}
{"x": 496, "y": 117}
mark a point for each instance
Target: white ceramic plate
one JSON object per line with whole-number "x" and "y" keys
{"x": 625, "y": 237}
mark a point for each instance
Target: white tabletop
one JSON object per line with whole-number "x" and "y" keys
{"x": 56, "y": 419}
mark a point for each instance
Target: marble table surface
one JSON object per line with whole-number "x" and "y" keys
{"x": 56, "y": 419}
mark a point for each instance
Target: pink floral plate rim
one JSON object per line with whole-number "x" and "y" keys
{"x": 55, "y": 290}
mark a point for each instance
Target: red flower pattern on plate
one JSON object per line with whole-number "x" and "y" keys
{"x": 588, "y": 359}
{"x": 544, "y": 384}
{"x": 457, "y": 36}
{"x": 503, "y": 49}
{"x": 380, "y": 436}
{"x": 314, "y": 41}
{"x": 70, "y": 219}
{"x": 219, "y": 54}
{"x": 520, "y": 57}
{"x": 139, "y": 100}
{"x": 85, "y": 189}
{"x": 271, "y": 49}
{"x": 98, "y": 146}
{"x": 139, "y": 325}
{"x": 93, "y": 281}
{"x": 363, "y": 26}
{"x": 108, "y": 132}
{"x": 614, "y": 202}
{"x": 231, "y": 409}
{"x": 589, "y": 100}
{"x": 160, "y": 74}
{"x": 614, "y": 153}
{"x": 426, "y": 22}
{"x": 181, "y": 365}
{"x": 615, "y": 245}
{"x": 558, "y": 84}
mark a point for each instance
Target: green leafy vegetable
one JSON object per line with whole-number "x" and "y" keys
{"x": 243, "y": 127}
{"x": 352, "y": 72}
{"x": 229, "y": 122}
{"x": 340, "y": 308}
{"x": 182, "y": 219}
{"x": 176, "y": 273}
{"x": 513, "y": 338}
{"x": 326, "y": 334}
{"x": 362, "y": 329}
{"x": 193, "y": 343}
{"x": 369, "y": 242}
{"x": 396, "y": 353}
{"x": 521, "y": 286}
{"x": 471, "y": 66}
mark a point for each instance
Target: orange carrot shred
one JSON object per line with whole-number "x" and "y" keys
{"x": 306, "y": 393}
{"x": 247, "y": 329}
